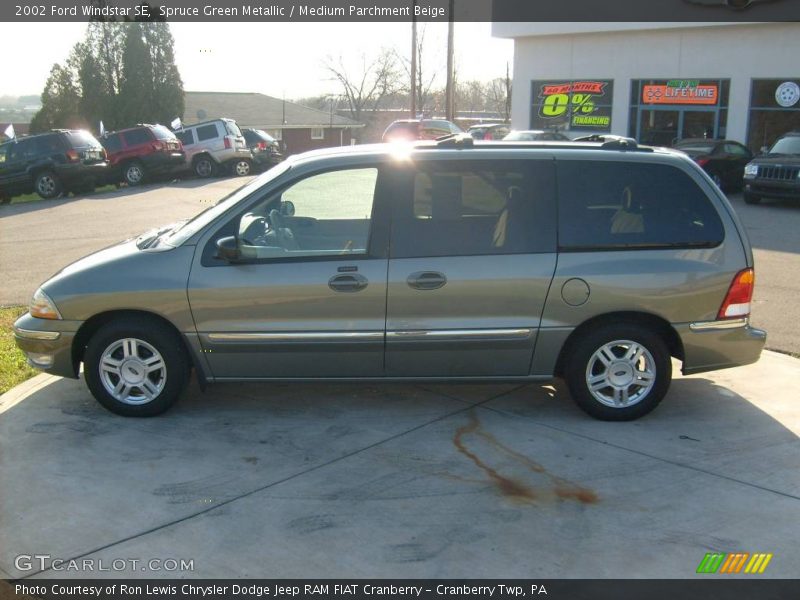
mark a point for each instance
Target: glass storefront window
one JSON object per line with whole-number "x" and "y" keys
{"x": 774, "y": 110}
{"x": 664, "y": 111}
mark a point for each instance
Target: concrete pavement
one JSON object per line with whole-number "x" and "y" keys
{"x": 266, "y": 480}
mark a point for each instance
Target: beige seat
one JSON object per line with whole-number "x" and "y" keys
{"x": 628, "y": 218}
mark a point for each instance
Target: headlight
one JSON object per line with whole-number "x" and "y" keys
{"x": 43, "y": 307}
{"x": 750, "y": 170}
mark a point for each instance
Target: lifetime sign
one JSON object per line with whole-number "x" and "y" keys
{"x": 665, "y": 94}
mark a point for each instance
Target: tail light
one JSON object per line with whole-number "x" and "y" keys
{"x": 702, "y": 161}
{"x": 73, "y": 156}
{"x": 262, "y": 145}
{"x": 227, "y": 142}
{"x": 737, "y": 301}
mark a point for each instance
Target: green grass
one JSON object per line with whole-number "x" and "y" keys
{"x": 13, "y": 368}
{"x": 35, "y": 197}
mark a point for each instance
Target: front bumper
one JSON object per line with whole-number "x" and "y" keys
{"x": 47, "y": 344}
{"x": 713, "y": 345}
{"x": 766, "y": 188}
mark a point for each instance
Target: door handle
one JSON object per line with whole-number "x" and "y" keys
{"x": 426, "y": 280}
{"x": 352, "y": 282}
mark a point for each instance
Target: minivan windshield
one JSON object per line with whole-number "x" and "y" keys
{"x": 189, "y": 228}
{"x": 787, "y": 145}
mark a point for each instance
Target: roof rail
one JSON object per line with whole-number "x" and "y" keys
{"x": 455, "y": 140}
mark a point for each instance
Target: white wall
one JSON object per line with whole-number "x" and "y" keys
{"x": 736, "y": 52}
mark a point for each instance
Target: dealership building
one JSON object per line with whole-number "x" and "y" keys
{"x": 657, "y": 82}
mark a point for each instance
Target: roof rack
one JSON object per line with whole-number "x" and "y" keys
{"x": 455, "y": 140}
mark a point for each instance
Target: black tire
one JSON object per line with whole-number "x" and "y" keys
{"x": 47, "y": 185}
{"x": 146, "y": 332}
{"x": 241, "y": 167}
{"x": 581, "y": 364}
{"x": 134, "y": 173}
{"x": 204, "y": 167}
{"x": 751, "y": 199}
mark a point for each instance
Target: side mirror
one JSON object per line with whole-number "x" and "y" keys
{"x": 287, "y": 208}
{"x": 228, "y": 248}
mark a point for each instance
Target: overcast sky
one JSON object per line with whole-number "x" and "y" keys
{"x": 272, "y": 58}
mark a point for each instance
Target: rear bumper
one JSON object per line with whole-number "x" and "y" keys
{"x": 79, "y": 173}
{"x": 47, "y": 344}
{"x": 713, "y": 345}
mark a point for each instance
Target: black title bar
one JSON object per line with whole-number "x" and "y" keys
{"x": 402, "y": 10}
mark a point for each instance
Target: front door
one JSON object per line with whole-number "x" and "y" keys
{"x": 471, "y": 260}
{"x": 308, "y": 297}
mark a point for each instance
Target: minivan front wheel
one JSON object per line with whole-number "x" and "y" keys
{"x": 618, "y": 372}
{"x": 136, "y": 367}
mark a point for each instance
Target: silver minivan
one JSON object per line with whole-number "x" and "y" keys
{"x": 435, "y": 261}
{"x": 216, "y": 146}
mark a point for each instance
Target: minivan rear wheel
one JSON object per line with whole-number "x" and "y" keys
{"x": 618, "y": 372}
{"x": 136, "y": 367}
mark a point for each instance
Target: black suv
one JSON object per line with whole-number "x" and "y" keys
{"x": 50, "y": 164}
{"x": 265, "y": 148}
{"x": 776, "y": 173}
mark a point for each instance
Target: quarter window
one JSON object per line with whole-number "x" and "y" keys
{"x": 619, "y": 205}
{"x": 471, "y": 208}
{"x": 327, "y": 214}
{"x": 136, "y": 137}
{"x": 207, "y": 132}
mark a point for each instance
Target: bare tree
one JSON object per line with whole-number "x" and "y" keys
{"x": 499, "y": 95}
{"x": 424, "y": 82}
{"x": 365, "y": 89}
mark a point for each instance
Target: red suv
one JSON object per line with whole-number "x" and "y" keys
{"x": 140, "y": 152}
{"x": 419, "y": 129}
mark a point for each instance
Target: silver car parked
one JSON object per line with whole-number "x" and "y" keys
{"x": 215, "y": 146}
{"x": 437, "y": 261}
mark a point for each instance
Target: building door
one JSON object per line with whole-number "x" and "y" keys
{"x": 658, "y": 127}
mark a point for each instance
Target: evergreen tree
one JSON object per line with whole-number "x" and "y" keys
{"x": 136, "y": 90}
{"x": 168, "y": 101}
{"x": 60, "y": 102}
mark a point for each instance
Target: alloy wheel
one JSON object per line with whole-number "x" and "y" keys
{"x": 132, "y": 371}
{"x": 46, "y": 185}
{"x": 620, "y": 373}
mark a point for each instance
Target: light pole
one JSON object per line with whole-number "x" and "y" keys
{"x": 414, "y": 59}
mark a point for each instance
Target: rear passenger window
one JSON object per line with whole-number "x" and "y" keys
{"x": 112, "y": 143}
{"x": 207, "y": 132}
{"x": 136, "y": 137}
{"x": 470, "y": 208}
{"x": 186, "y": 137}
{"x": 619, "y": 205}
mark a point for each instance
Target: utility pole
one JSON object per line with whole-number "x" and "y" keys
{"x": 414, "y": 59}
{"x": 449, "y": 92}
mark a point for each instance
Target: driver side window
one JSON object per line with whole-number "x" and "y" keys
{"x": 326, "y": 214}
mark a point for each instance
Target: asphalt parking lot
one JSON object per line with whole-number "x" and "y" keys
{"x": 267, "y": 480}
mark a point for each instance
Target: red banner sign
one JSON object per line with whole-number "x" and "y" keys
{"x": 581, "y": 87}
{"x": 663, "y": 94}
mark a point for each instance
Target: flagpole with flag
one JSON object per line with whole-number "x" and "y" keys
{"x": 176, "y": 124}
{"x": 9, "y": 132}
{"x": 102, "y": 129}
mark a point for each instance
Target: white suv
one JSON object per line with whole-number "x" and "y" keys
{"x": 216, "y": 145}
